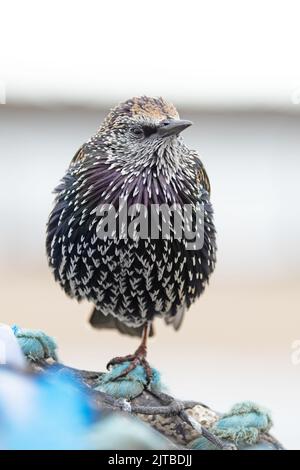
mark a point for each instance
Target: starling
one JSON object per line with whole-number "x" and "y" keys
{"x": 137, "y": 157}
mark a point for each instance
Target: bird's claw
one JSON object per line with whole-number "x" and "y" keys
{"x": 135, "y": 360}
{"x": 119, "y": 360}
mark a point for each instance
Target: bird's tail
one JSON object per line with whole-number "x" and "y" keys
{"x": 99, "y": 320}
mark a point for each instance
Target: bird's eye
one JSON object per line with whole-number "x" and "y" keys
{"x": 137, "y": 131}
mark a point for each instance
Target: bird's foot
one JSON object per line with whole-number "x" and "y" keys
{"x": 138, "y": 358}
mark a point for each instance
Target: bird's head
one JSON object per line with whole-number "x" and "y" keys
{"x": 142, "y": 127}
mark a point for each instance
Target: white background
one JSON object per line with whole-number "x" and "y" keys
{"x": 199, "y": 52}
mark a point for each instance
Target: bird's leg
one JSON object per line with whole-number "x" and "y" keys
{"x": 138, "y": 358}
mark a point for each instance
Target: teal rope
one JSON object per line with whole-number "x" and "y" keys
{"x": 35, "y": 344}
{"x": 129, "y": 386}
{"x": 245, "y": 422}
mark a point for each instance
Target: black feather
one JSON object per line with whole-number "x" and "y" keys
{"x": 99, "y": 320}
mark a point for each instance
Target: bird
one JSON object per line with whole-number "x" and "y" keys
{"x": 137, "y": 158}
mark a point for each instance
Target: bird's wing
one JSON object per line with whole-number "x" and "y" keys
{"x": 203, "y": 180}
{"x": 201, "y": 175}
{"x": 79, "y": 156}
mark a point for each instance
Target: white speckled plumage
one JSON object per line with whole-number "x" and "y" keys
{"x": 131, "y": 279}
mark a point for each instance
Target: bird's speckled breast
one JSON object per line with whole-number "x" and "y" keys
{"x": 132, "y": 280}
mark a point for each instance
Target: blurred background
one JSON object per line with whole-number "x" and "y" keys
{"x": 231, "y": 67}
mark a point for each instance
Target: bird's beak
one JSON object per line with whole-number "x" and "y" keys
{"x": 174, "y": 127}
